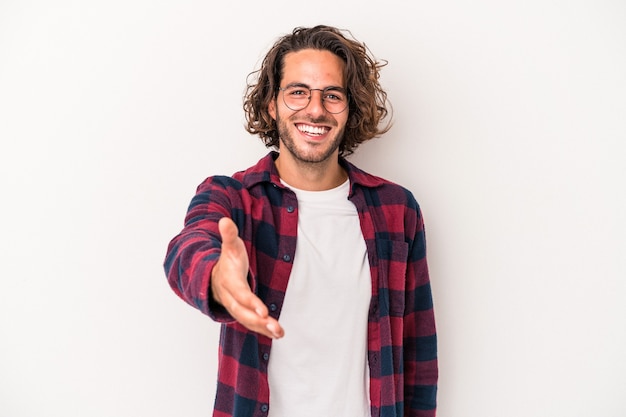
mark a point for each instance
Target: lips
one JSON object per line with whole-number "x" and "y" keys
{"x": 313, "y": 130}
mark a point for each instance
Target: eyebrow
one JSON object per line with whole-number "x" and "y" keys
{"x": 329, "y": 88}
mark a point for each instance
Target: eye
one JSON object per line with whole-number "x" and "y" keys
{"x": 297, "y": 92}
{"x": 334, "y": 95}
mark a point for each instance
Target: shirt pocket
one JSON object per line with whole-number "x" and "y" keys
{"x": 392, "y": 261}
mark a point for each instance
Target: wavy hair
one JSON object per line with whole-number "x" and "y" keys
{"x": 368, "y": 104}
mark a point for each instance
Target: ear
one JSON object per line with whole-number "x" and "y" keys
{"x": 271, "y": 109}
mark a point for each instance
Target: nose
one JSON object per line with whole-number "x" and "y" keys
{"x": 316, "y": 105}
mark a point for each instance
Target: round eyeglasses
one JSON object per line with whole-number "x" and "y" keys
{"x": 334, "y": 99}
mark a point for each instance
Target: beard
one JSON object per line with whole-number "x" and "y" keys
{"x": 318, "y": 153}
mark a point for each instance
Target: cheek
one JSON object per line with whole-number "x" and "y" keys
{"x": 343, "y": 121}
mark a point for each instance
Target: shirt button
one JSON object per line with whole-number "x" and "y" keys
{"x": 266, "y": 356}
{"x": 286, "y": 258}
{"x": 290, "y": 209}
{"x": 273, "y": 307}
{"x": 264, "y": 408}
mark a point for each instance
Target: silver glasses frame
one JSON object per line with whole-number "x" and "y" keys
{"x": 321, "y": 90}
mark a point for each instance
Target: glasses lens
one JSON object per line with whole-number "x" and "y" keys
{"x": 334, "y": 100}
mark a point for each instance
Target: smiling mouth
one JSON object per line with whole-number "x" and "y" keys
{"x": 313, "y": 130}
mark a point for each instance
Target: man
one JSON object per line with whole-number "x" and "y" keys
{"x": 316, "y": 270}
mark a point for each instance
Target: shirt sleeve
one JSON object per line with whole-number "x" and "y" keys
{"x": 420, "y": 339}
{"x": 192, "y": 254}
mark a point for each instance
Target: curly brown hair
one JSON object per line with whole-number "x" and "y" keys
{"x": 368, "y": 104}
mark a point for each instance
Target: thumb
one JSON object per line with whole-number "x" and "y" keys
{"x": 228, "y": 231}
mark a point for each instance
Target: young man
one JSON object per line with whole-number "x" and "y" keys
{"x": 316, "y": 270}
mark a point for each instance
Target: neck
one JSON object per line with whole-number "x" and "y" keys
{"x": 311, "y": 176}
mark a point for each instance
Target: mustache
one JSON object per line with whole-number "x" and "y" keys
{"x": 320, "y": 120}
{"x": 305, "y": 118}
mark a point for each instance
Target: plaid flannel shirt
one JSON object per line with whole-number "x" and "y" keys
{"x": 402, "y": 346}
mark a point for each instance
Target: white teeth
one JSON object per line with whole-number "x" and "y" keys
{"x": 312, "y": 130}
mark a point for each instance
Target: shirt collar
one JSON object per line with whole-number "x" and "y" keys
{"x": 265, "y": 171}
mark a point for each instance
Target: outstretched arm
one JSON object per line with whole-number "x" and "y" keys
{"x": 207, "y": 262}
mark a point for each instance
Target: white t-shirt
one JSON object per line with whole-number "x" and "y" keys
{"x": 320, "y": 367}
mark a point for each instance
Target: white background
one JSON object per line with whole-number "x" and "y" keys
{"x": 509, "y": 129}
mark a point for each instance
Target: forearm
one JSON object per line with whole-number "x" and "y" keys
{"x": 194, "y": 252}
{"x": 188, "y": 265}
{"x": 420, "y": 365}
{"x": 420, "y": 336}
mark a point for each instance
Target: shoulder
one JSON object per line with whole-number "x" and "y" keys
{"x": 262, "y": 171}
{"x": 380, "y": 191}
{"x": 220, "y": 182}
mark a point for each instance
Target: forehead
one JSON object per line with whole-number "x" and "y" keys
{"x": 313, "y": 67}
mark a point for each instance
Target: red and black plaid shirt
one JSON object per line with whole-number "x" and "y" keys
{"x": 402, "y": 345}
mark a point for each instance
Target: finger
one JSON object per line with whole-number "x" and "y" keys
{"x": 249, "y": 310}
{"x": 228, "y": 231}
{"x": 248, "y": 318}
{"x": 275, "y": 328}
{"x": 242, "y": 295}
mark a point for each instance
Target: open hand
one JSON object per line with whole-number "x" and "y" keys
{"x": 230, "y": 288}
